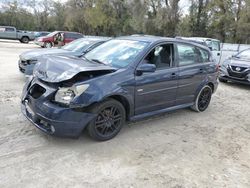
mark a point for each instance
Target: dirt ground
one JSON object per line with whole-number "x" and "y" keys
{"x": 179, "y": 149}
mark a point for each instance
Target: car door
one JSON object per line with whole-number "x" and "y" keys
{"x": 193, "y": 63}
{"x": 157, "y": 90}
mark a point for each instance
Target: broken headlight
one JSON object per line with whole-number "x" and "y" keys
{"x": 65, "y": 95}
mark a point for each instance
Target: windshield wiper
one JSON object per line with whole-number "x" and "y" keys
{"x": 98, "y": 61}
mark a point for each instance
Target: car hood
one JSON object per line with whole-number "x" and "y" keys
{"x": 56, "y": 69}
{"x": 33, "y": 54}
{"x": 240, "y": 62}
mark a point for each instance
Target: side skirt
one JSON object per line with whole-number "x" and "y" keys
{"x": 148, "y": 114}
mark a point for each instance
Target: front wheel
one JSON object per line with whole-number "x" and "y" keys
{"x": 203, "y": 99}
{"x": 109, "y": 120}
{"x": 48, "y": 45}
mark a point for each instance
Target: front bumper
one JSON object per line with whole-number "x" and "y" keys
{"x": 227, "y": 78}
{"x": 52, "y": 118}
{"x": 238, "y": 77}
{"x": 39, "y": 43}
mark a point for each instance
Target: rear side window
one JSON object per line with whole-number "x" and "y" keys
{"x": 189, "y": 55}
{"x": 9, "y": 29}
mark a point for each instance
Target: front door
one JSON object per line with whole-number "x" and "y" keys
{"x": 157, "y": 90}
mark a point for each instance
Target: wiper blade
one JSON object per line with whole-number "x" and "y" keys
{"x": 98, "y": 61}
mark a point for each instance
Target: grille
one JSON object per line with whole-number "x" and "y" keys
{"x": 234, "y": 68}
{"x": 36, "y": 91}
{"x": 240, "y": 75}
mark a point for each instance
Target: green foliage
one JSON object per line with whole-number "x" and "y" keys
{"x": 227, "y": 20}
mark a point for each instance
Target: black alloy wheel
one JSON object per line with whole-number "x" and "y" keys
{"x": 109, "y": 120}
{"x": 204, "y": 99}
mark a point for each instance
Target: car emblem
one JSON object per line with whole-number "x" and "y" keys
{"x": 238, "y": 69}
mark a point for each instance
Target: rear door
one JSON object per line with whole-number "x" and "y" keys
{"x": 193, "y": 63}
{"x": 157, "y": 90}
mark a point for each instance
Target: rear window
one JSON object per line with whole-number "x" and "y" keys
{"x": 9, "y": 29}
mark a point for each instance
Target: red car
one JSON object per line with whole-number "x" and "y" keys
{"x": 51, "y": 39}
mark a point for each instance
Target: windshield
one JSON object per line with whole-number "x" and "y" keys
{"x": 244, "y": 54}
{"x": 117, "y": 53}
{"x": 78, "y": 45}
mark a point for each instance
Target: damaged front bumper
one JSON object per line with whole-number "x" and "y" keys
{"x": 49, "y": 117}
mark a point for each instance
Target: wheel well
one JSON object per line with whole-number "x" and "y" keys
{"x": 211, "y": 85}
{"x": 124, "y": 102}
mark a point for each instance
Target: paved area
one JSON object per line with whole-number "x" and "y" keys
{"x": 179, "y": 149}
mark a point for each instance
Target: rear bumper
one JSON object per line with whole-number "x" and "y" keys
{"x": 54, "y": 119}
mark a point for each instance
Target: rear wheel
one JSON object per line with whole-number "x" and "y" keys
{"x": 25, "y": 40}
{"x": 48, "y": 45}
{"x": 203, "y": 99}
{"x": 109, "y": 120}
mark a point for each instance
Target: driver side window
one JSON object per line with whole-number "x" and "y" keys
{"x": 161, "y": 56}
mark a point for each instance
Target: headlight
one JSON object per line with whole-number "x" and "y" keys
{"x": 40, "y": 40}
{"x": 66, "y": 94}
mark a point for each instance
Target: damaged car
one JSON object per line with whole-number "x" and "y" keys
{"x": 124, "y": 79}
{"x": 236, "y": 68}
{"x": 78, "y": 48}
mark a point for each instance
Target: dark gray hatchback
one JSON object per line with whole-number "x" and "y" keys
{"x": 127, "y": 78}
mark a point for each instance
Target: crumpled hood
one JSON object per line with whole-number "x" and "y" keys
{"x": 61, "y": 68}
{"x": 34, "y": 54}
{"x": 240, "y": 62}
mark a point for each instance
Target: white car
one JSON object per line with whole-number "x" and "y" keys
{"x": 213, "y": 44}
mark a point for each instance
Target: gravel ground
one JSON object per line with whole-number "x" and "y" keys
{"x": 179, "y": 149}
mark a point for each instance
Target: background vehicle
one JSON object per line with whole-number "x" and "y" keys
{"x": 49, "y": 40}
{"x": 236, "y": 68}
{"x": 41, "y": 34}
{"x": 214, "y": 46}
{"x": 11, "y": 33}
{"x": 113, "y": 82}
{"x": 76, "y": 48}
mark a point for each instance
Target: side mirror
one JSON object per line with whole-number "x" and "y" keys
{"x": 145, "y": 67}
{"x": 210, "y": 48}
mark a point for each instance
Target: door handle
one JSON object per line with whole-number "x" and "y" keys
{"x": 173, "y": 75}
{"x": 201, "y": 70}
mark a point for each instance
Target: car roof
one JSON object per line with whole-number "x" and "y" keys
{"x": 203, "y": 38}
{"x": 156, "y": 39}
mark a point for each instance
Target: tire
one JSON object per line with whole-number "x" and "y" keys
{"x": 203, "y": 99}
{"x": 222, "y": 80}
{"x": 109, "y": 120}
{"x": 25, "y": 40}
{"x": 47, "y": 45}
